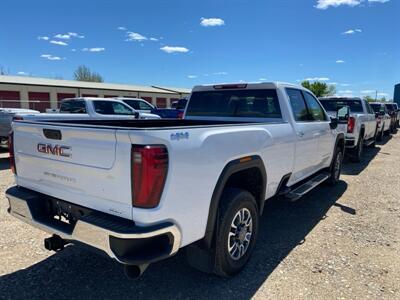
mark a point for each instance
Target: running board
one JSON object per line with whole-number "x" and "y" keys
{"x": 298, "y": 192}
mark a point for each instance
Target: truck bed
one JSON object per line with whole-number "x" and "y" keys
{"x": 147, "y": 124}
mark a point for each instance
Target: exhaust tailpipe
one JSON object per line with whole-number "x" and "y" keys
{"x": 54, "y": 243}
{"x": 134, "y": 272}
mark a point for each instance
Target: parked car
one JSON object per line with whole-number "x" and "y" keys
{"x": 361, "y": 126}
{"x": 141, "y": 190}
{"x": 398, "y": 113}
{"x": 6, "y": 118}
{"x": 382, "y": 118}
{"x": 144, "y": 106}
{"x": 392, "y": 111}
{"x": 92, "y": 108}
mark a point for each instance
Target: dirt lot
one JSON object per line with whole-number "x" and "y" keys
{"x": 335, "y": 243}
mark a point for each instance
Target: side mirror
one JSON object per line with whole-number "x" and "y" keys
{"x": 334, "y": 123}
{"x": 343, "y": 114}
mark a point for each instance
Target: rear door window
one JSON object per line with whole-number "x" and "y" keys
{"x": 235, "y": 103}
{"x": 314, "y": 108}
{"x": 298, "y": 105}
{"x": 73, "y": 107}
{"x": 111, "y": 108}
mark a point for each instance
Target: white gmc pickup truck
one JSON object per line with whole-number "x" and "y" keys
{"x": 140, "y": 190}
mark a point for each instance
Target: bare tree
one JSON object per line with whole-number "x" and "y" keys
{"x": 83, "y": 73}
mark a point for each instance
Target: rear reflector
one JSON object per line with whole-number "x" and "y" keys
{"x": 149, "y": 171}
{"x": 11, "y": 152}
{"x": 17, "y": 118}
{"x": 230, "y": 86}
{"x": 350, "y": 124}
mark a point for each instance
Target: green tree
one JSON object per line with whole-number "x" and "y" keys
{"x": 320, "y": 89}
{"x": 83, "y": 73}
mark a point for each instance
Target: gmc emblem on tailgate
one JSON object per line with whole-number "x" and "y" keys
{"x": 57, "y": 150}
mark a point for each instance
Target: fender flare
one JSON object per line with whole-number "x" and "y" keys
{"x": 231, "y": 168}
{"x": 339, "y": 137}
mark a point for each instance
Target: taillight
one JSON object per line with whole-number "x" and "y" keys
{"x": 350, "y": 124}
{"x": 180, "y": 115}
{"x": 11, "y": 152}
{"x": 149, "y": 171}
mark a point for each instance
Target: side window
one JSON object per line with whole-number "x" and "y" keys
{"x": 73, "y": 107}
{"x": 369, "y": 108}
{"x": 132, "y": 103}
{"x": 298, "y": 105}
{"x": 144, "y": 106}
{"x": 315, "y": 109}
{"x": 111, "y": 108}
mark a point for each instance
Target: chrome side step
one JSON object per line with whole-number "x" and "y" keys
{"x": 298, "y": 192}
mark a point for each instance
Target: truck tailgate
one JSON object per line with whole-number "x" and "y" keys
{"x": 75, "y": 164}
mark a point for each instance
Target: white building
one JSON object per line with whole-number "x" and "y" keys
{"x": 43, "y": 93}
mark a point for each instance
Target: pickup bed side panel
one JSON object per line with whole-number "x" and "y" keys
{"x": 196, "y": 163}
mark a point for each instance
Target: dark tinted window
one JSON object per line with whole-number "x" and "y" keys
{"x": 132, "y": 103}
{"x": 314, "y": 108}
{"x": 390, "y": 107}
{"x": 231, "y": 103}
{"x": 298, "y": 105}
{"x": 181, "y": 104}
{"x": 144, "y": 106}
{"x": 111, "y": 108}
{"x": 377, "y": 107}
{"x": 73, "y": 107}
{"x": 332, "y": 105}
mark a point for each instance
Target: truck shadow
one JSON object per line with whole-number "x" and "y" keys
{"x": 78, "y": 273}
{"x": 352, "y": 168}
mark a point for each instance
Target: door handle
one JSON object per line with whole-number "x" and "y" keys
{"x": 300, "y": 133}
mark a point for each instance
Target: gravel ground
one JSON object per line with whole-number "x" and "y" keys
{"x": 335, "y": 243}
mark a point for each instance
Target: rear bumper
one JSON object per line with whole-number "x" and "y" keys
{"x": 121, "y": 239}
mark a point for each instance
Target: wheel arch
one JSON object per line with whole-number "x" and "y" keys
{"x": 235, "y": 167}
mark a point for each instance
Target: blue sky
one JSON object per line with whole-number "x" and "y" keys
{"x": 353, "y": 44}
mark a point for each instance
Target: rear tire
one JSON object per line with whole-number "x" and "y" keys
{"x": 336, "y": 167}
{"x": 237, "y": 229}
{"x": 358, "y": 151}
{"x": 380, "y": 137}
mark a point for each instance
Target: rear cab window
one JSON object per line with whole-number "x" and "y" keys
{"x": 355, "y": 105}
{"x": 249, "y": 104}
{"x": 73, "y": 107}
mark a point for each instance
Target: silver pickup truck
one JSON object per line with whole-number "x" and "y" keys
{"x": 6, "y": 117}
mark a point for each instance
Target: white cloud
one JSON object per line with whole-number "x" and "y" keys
{"x": 174, "y": 49}
{"x": 262, "y": 79}
{"x": 345, "y": 92}
{"x": 367, "y": 92}
{"x": 45, "y": 38}
{"x": 208, "y": 22}
{"x": 379, "y": 1}
{"x": 63, "y": 36}
{"x": 324, "y": 4}
{"x": 153, "y": 39}
{"x": 383, "y": 94}
{"x": 67, "y": 36}
{"x": 344, "y": 84}
{"x": 340, "y": 61}
{"x": 134, "y": 36}
{"x": 122, "y": 28}
{"x": 95, "y": 49}
{"x": 317, "y": 79}
{"x": 73, "y": 50}
{"x": 76, "y": 35}
{"x": 60, "y": 43}
{"x": 22, "y": 73}
{"x": 51, "y": 57}
{"x": 333, "y": 83}
{"x": 220, "y": 73}
{"x": 352, "y": 31}
{"x": 192, "y": 76}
